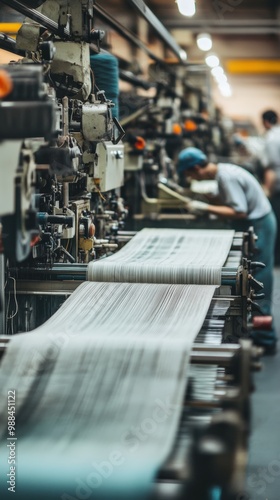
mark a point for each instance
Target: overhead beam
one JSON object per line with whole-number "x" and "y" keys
{"x": 124, "y": 32}
{"x": 253, "y": 66}
{"x": 227, "y": 26}
{"x": 183, "y": 23}
{"x": 157, "y": 25}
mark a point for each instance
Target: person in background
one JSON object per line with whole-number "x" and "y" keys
{"x": 271, "y": 161}
{"x": 243, "y": 202}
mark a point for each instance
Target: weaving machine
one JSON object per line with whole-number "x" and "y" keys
{"x": 131, "y": 395}
{"x": 212, "y": 416}
{"x": 40, "y": 290}
{"x": 61, "y": 136}
{"x": 100, "y": 362}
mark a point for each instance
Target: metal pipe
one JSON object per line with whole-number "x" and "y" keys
{"x": 156, "y": 24}
{"x": 192, "y": 23}
{"x": 9, "y": 44}
{"x": 227, "y": 30}
{"x": 214, "y": 357}
{"x": 125, "y": 33}
{"x": 222, "y": 348}
{"x": 81, "y": 268}
{"x": 210, "y": 355}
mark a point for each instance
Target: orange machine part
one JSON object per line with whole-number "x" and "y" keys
{"x": 140, "y": 143}
{"x": 176, "y": 129}
{"x": 190, "y": 126}
{"x": 6, "y": 84}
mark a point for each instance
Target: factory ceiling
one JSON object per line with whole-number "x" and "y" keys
{"x": 246, "y": 38}
{"x": 217, "y": 15}
{"x": 250, "y": 22}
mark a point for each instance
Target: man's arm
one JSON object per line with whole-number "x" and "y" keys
{"x": 224, "y": 211}
{"x": 200, "y": 208}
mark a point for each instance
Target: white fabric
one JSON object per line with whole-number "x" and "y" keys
{"x": 272, "y": 152}
{"x": 167, "y": 256}
{"x": 99, "y": 390}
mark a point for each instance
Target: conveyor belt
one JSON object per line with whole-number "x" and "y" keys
{"x": 113, "y": 360}
{"x": 63, "y": 279}
{"x": 167, "y": 256}
{"x": 205, "y": 382}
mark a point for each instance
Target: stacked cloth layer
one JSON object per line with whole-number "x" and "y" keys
{"x": 167, "y": 256}
{"x": 97, "y": 391}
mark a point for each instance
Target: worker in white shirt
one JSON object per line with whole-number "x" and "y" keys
{"x": 242, "y": 200}
{"x": 272, "y": 169}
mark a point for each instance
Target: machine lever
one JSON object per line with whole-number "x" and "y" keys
{"x": 258, "y": 296}
{"x": 257, "y": 265}
{"x": 255, "y": 284}
{"x": 256, "y": 307}
{"x": 120, "y": 129}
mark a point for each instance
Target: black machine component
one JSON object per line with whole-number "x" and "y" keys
{"x": 8, "y": 43}
{"x": 33, "y": 4}
{"x": 27, "y": 111}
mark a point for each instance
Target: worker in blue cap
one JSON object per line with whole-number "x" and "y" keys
{"x": 243, "y": 201}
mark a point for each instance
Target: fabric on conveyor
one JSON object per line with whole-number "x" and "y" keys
{"x": 167, "y": 256}
{"x": 99, "y": 391}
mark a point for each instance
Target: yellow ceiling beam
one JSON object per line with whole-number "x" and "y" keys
{"x": 253, "y": 66}
{"x": 10, "y": 28}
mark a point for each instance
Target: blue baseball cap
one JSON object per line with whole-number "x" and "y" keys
{"x": 190, "y": 157}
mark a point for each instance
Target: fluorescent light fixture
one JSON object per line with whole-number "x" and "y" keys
{"x": 221, "y": 78}
{"x": 218, "y": 70}
{"x": 224, "y": 86}
{"x": 183, "y": 55}
{"x": 186, "y": 7}
{"x": 212, "y": 61}
{"x": 225, "y": 89}
{"x": 204, "y": 42}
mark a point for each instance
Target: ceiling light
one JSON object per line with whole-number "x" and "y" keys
{"x": 225, "y": 89}
{"x": 183, "y": 55}
{"x": 186, "y": 7}
{"x": 204, "y": 42}
{"x": 221, "y": 78}
{"x": 212, "y": 60}
{"x": 218, "y": 70}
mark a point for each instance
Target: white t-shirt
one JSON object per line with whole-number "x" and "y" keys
{"x": 240, "y": 190}
{"x": 272, "y": 153}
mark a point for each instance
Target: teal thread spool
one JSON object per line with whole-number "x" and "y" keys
{"x": 106, "y": 74}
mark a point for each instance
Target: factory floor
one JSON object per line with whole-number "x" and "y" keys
{"x": 263, "y": 475}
